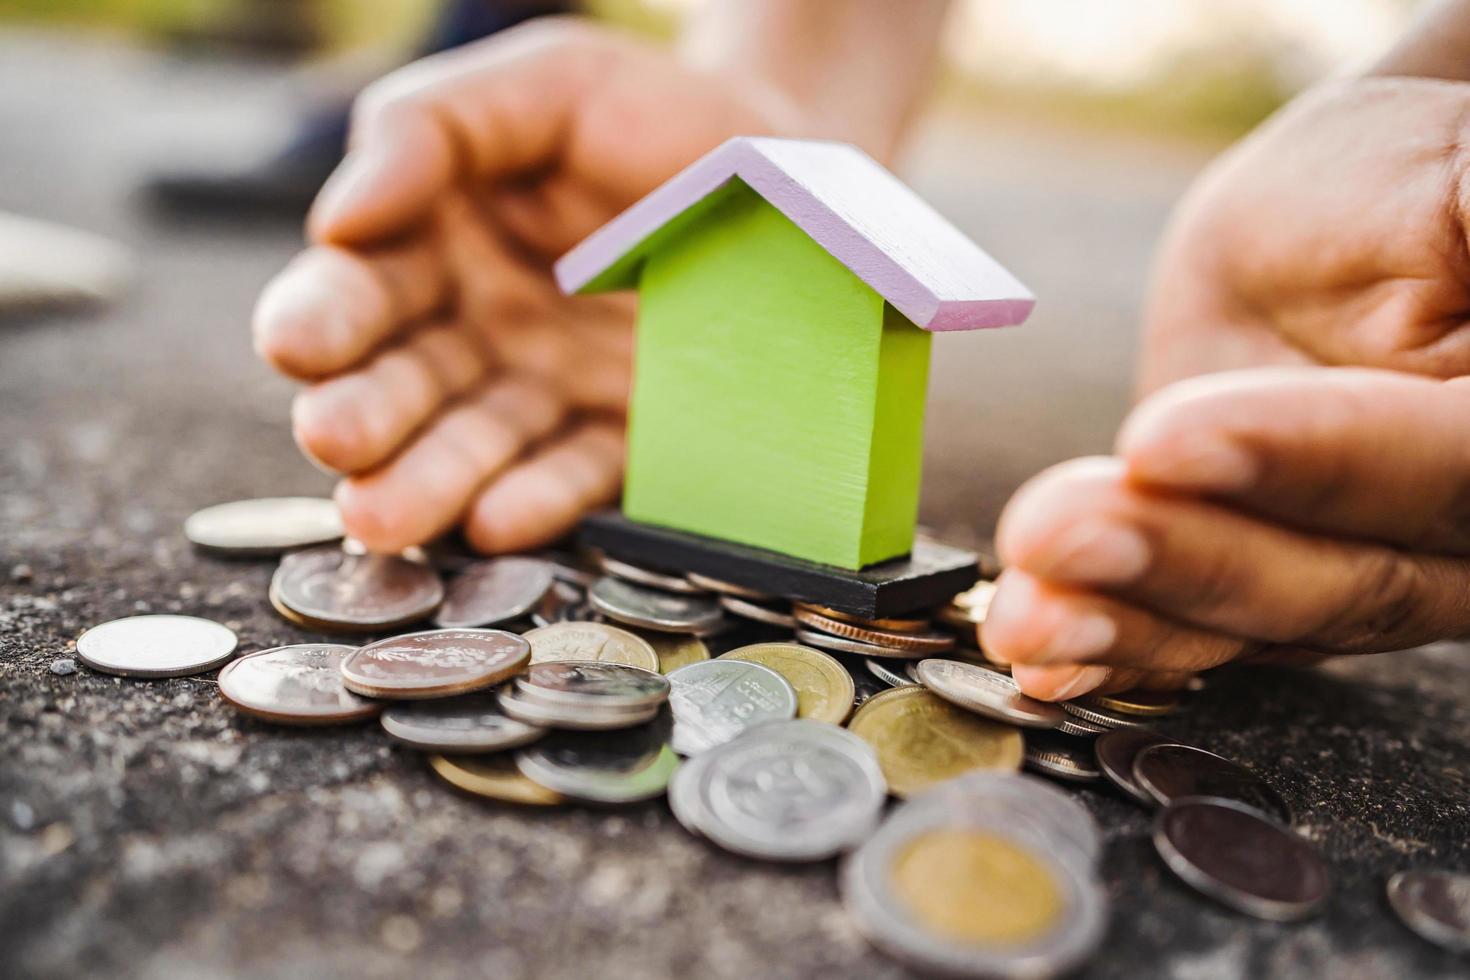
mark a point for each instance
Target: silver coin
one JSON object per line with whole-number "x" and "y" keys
{"x": 624, "y": 767}
{"x": 725, "y": 588}
{"x": 646, "y": 576}
{"x": 1236, "y": 855}
{"x": 467, "y": 723}
{"x": 789, "y": 791}
{"x": 987, "y": 693}
{"x": 840, "y": 644}
{"x": 882, "y": 913}
{"x": 434, "y": 663}
{"x": 570, "y": 717}
{"x": 1078, "y": 728}
{"x": 651, "y": 609}
{"x": 1060, "y": 757}
{"x": 771, "y": 615}
{"x": 295, "y": 685}
{"x": 713, "y": 701}
{"x": 366, "y": 593}
{"x": 1115, "y": 752}
{"x": 156, "y": 646}
{"x": 593, "y": 683}
{"x": 1026, "y": 802}
{"x": 491, "y": 592}
{"x": 887, "y": 674}
{"x": 1435, "y": 904}
{"x": 561, "y": 603}
{"x": 266, "y": 526}
{"x": 864, "y": 686}
{"x": 684, "y": 794}
{"x": 1170, "y": 772}
{"x": 1101, "y": 718}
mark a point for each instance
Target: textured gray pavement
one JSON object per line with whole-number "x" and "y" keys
{"x": 147, "y": 830}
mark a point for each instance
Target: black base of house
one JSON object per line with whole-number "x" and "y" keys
{"x": 932, "y": 575}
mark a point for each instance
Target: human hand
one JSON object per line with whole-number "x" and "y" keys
{"x": 450, "y": 381}
{"x": 1307, "y": 507}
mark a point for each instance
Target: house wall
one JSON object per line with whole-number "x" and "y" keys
{"x": 762, "y": 364}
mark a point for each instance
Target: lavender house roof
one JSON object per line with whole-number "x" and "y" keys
{"x": 861, "y": 214}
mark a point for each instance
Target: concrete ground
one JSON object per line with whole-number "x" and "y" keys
{"x": 147, "y": 830}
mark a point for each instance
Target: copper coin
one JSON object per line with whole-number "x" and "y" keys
{"x": 492, "y": 776}
{"x": 927, "y": 642}
{"x": 1171, "y": 772}
{"x": 493, "y": 591}
{"x": 434, "y": 663}
{"x": 905, "y": 625}
{"x": 1236, "y": 855}
{"x": 295, "y": 685}
{"x": 827, "y": 641}
{"x": 356, "y": 593}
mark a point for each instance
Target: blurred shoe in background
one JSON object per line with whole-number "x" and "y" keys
{"x": 285, "y": 178}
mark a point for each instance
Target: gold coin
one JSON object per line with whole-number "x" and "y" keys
{"x": 674, "y": 650}
{"x": 590, "y": 641}
{"x": 922, "y": 739}
{"x": 824, "y": 688}
{"x": 493, "y": 776}
{"x": 975, "y": 888}
{"x": 1143, "y": 703}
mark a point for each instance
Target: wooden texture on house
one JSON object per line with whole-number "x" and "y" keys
{"x": 778, "y": 389}
{"x": 932, "y": 575}
{"x": 772, "y": 404}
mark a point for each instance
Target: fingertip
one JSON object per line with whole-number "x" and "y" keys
{"x": 1059, "y": 683}
{"x": 382, "y": 524}
{"x": 520, "y": 511}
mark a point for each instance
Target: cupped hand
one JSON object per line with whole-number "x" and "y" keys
{"x": 450, "y": 382}
{"x": 1315, "y": 497}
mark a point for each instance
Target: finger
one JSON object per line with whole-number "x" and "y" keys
{"x": 542, "y": 498}
{"x": 1032, "y": 621}
{"x": 583, "y": 345}
{"x": 1354, "y": 452}
{"x": 355, "y": 421}
{"x": 1049, "y": 683}
{"x": 551, "y": 215}
{"x": 424, "y": 490}
{"x": 330, "y": 307}
{"x": 486, "y": 110}
{"x": 1083, "y": 524}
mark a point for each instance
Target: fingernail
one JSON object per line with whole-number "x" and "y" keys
{"x": 1083, "y": 681}
{"x": 1080, "y": 637}
{"x": 1205, "y": 465}
{"x": 1096, "y": 552}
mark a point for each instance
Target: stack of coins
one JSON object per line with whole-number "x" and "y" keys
{"x": 777, "y": 730}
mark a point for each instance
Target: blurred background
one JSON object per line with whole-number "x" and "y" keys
{"x": 174, "y": 143}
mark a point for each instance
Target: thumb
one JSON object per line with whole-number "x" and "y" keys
{"x": 486, "y": 110}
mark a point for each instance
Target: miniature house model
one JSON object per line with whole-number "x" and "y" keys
{"x": 786, "y": 294}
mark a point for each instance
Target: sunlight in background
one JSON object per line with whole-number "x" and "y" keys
{"x": 1121, "y": 43}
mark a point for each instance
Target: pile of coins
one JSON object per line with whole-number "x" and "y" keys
{"x": 777, "y": 730}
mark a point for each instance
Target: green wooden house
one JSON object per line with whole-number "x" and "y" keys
{"x": 786, "y": 294}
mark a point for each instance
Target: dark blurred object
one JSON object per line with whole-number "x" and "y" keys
{"x": 260, "y": 27}
{"x": 285, "y": 180}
